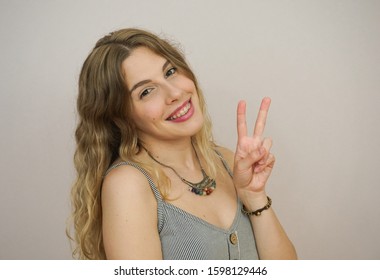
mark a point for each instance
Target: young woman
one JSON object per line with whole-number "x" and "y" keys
{"x": 151, "y": 183}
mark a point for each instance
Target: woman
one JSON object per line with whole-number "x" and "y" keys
{"x": 151, "y": 182}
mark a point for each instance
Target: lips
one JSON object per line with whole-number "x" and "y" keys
{"x": 181, "y": 113}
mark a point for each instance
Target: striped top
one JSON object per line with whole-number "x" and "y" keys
{"x": 186, "y": 237}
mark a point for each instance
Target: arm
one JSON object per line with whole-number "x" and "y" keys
{"x": 129, "y": 216}
{"x": 253, "y": 164}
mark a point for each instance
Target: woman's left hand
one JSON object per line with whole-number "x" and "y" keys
{"x": 253, "y": 161}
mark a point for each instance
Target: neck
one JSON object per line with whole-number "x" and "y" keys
{"x": 183, "y": 157}
{"x": 179, "y": 154}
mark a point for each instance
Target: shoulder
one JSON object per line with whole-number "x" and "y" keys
{"x": 126, "y": 189}
{"x": 126, "y": 180}
{"x": 129, "y": 211}
{"x": 227, "y": 154}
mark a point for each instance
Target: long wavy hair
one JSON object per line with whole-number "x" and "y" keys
{"x": 105, "y": 131}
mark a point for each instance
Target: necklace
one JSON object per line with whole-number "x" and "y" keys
{"x": 204, "y": 187}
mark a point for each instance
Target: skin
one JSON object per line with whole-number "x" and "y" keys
{"x": 126, "y": 194}
{"x": 158, "y": 90}
{"x": 253, "y": 164}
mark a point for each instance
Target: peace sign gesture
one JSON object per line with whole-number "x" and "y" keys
{"x": 253, "y": 161}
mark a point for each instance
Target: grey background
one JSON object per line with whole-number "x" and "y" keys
{"x": 319, "y": 61}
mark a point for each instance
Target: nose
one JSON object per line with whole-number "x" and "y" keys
{"x": 172, "y": 92}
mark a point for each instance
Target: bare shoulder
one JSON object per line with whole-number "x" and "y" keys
{"x": 126, "y": 179}
{"x": 129, "y": 211}
{"x": 125, "y": 189}
{"x": 227, "y": 154}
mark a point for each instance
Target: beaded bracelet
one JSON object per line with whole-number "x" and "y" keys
{"x": 258, "y": 211}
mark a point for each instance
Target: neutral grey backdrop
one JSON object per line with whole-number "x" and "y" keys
{"x": 319, "y": 61}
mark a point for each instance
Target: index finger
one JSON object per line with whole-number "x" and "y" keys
{"x": 241, "y": 121}
{"x": 262, "y": 117}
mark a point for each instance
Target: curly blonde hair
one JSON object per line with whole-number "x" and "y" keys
{"x": 105, "y": 131}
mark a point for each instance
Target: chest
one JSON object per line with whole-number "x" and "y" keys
{"x": 184, "y": 236}
{"x": 219, "y": 208}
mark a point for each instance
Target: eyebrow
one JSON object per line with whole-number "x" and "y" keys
{"x": 139, "y": 84}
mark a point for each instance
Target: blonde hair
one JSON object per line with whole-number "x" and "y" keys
{"x": 105, "y": 131}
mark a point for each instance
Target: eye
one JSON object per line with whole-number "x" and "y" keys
{"x": 145, "y": 92}
{"x": 170, "y": 72}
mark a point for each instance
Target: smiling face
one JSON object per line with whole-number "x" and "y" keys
{"x": 165, "y": 104}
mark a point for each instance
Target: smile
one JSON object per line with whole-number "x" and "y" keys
{"x": 181, "y": 114}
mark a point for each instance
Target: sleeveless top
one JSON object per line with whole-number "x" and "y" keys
{"x": 186, "y": 237}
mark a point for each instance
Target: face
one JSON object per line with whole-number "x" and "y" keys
{"x": 165, "y": 104}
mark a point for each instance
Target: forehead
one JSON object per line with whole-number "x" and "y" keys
{"x": 142, "y": 64}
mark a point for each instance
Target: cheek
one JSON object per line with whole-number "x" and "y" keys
{"x": 153, "y": 113}
{"x": 189, "y": 85}
{"x": 146, "y": 114}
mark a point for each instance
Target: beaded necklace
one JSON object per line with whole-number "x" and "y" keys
{"x": 204, "y": 187}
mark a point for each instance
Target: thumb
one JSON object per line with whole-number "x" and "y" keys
{"x": 250, "y": 159}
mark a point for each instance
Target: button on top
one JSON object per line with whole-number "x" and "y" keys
{"x": 233, "y": 238}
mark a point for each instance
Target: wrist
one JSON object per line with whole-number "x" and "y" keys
{"x": 253, "y": 200}
{"x": 257, "y": 212}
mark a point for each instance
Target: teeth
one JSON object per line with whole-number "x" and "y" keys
{"x": 183, "y": 111}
